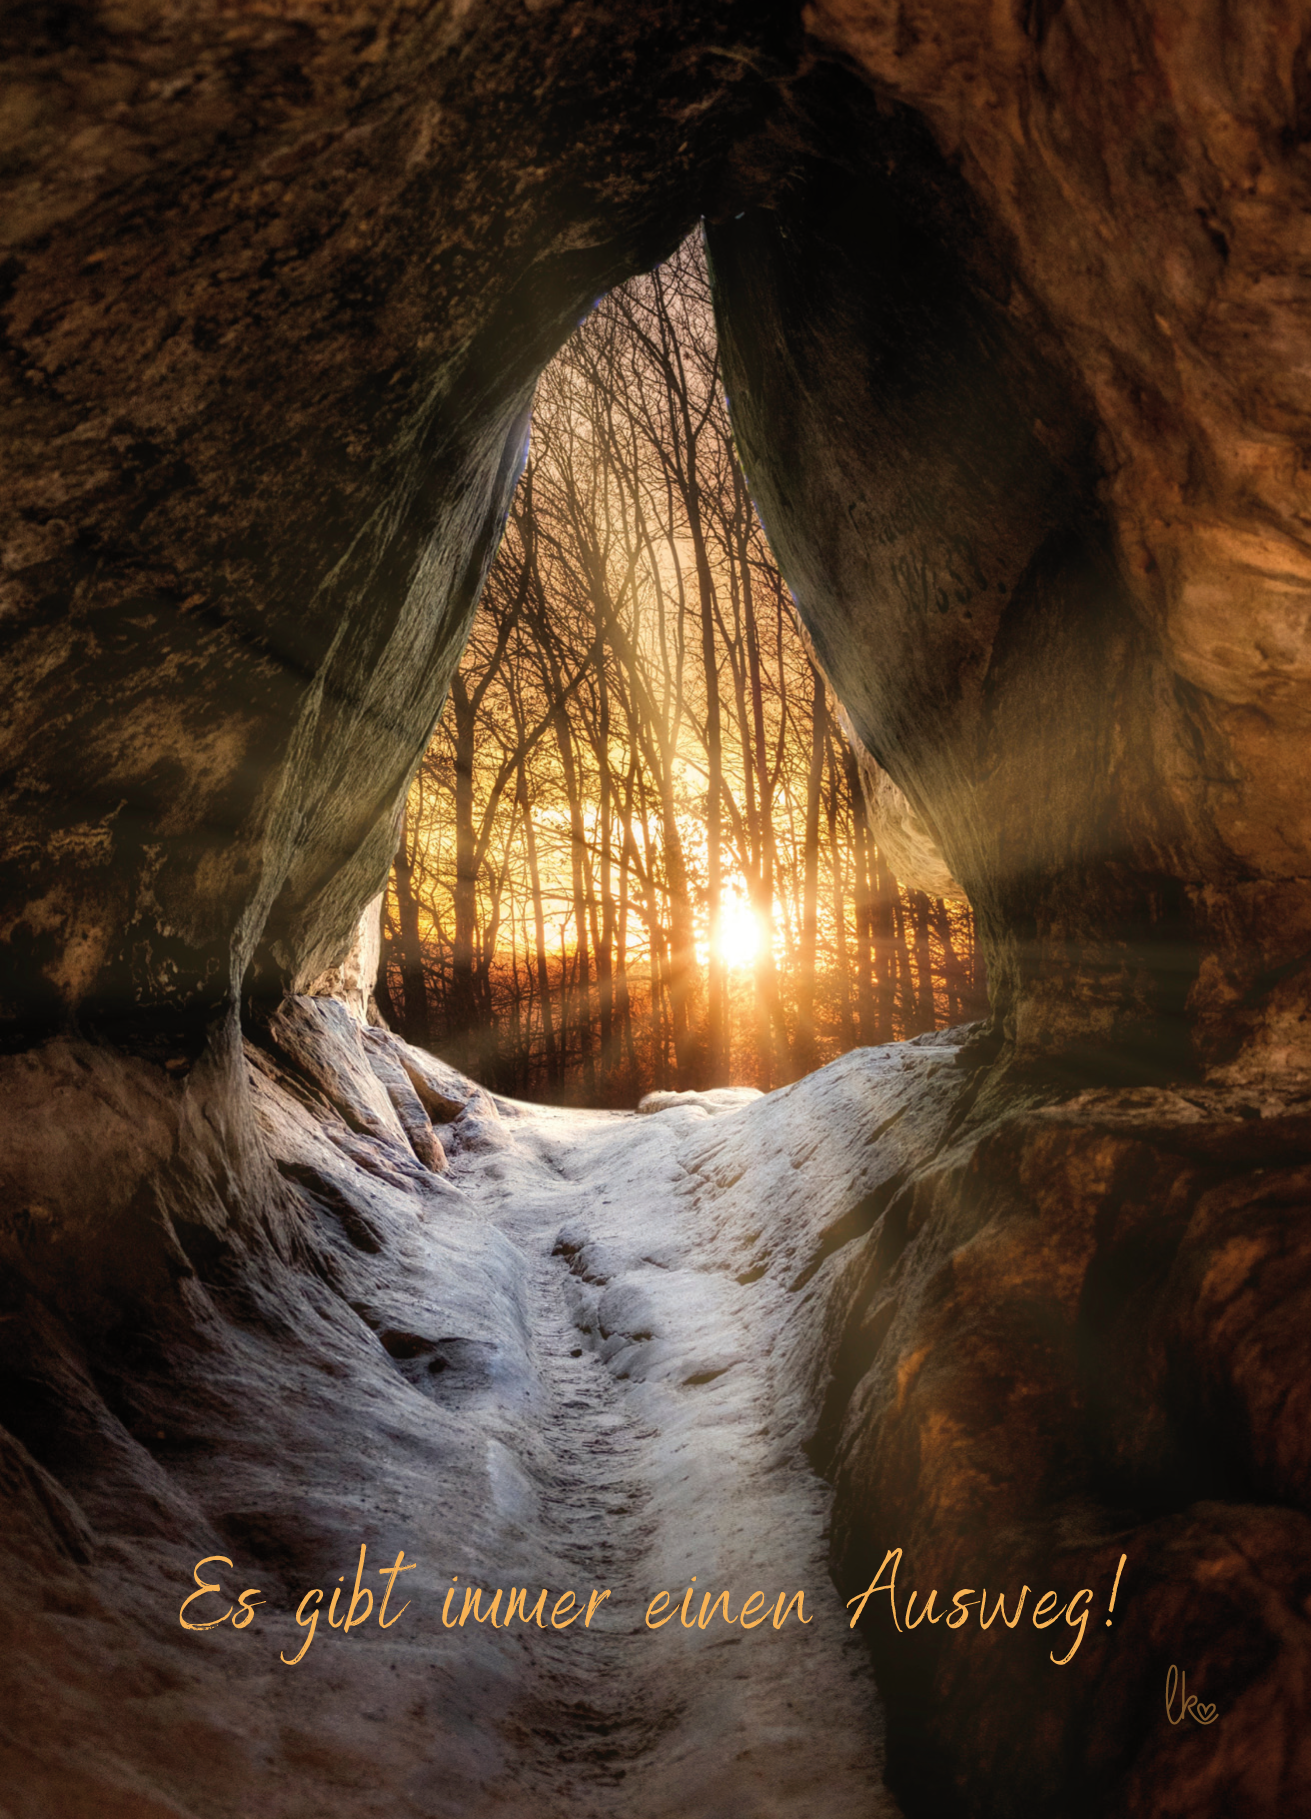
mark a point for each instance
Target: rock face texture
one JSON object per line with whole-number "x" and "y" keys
{"x": 1032, "y": 290}
{"x": 352, "y": 980}
{"x": 899, "y": 833}
{"x": 1079, "y": 1334}
{"x": 1014, "y": 314}
{"x": 271, "y": 330}
{"x": 1045, "y": 1336}
{"x": 533, "y": 1372}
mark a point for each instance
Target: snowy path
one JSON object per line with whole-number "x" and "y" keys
{"x": 664, "y": 1449}
{"x": 590, "y": 1356}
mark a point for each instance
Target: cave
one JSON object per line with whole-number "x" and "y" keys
{"x": 1008, "y": 301}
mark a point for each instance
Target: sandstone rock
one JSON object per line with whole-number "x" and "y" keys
{"x": 271, "y": 336}
{"x": 379, "y": 1047}
{"x": 1067, "y": 1342}
{"x": 352, "y": 980}
{"x": 711, "y": 1102}
{"x": 1013, "y": 305}
{"x": 912, "y": 851}
{"x": 364, "y": 1373}
{"x": 442, "y": 1089}
{"x": 322, "y": 1039}
{"x": 982, "y": 363}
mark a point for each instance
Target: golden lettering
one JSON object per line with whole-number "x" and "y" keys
{"x": 247, "y": 1608}
{"x": 1010, "y": 1622}
{"x": 526, "y": 1616}
{"x": 747, "y": 1615}
{"x": 913, "y": 1623}
{"x": 960, "y": 1612}
{"x": 352, "y": 1621}
{"x": 658, "y": 1603}
{"x": 205, "y": 1586}
{"x": 708, "y": 1609}
{"x": 313, "y": 1621}
{"x": 682, "y": 1615}
{"x": 1047, "y": 1602}
{"x": 1081, "y": 1620}
{"x": 893, "y": 1554}
{"x": 390, "y": 1574}
{"x": 782, "y": 1611}
{"x": 473, "y": 1597}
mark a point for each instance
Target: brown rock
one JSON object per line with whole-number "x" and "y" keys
{"x": 1083, "y": 1332}
{"x": 381, "y": 1049}
{"x": 983, "y": 340}
{"x": 1014, "y": 316}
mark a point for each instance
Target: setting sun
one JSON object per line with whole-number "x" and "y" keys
{"x": 739, "y": 933}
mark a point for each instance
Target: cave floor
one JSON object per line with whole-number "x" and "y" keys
{"x": 589, "y": 1356}
{"x": 654, "y": 1409}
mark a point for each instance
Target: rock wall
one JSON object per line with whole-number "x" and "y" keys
{"x": 1008, "y": 352}
{"x": 1013, "y": 304}
{"x": 1079, "y": 1334}
{"x": 352, "y": 979}
{"x": 277, "y": 283}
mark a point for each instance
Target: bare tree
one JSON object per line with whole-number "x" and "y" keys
{"x": 637, "y": 852}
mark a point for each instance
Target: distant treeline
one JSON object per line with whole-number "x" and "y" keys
{"x": 636, "y": 853}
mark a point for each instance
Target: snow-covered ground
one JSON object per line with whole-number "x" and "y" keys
{"x": 587, "y": 1354}
{"x": 661, "y": 1456}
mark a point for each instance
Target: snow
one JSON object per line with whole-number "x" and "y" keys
{"x": 589, "y": 1355}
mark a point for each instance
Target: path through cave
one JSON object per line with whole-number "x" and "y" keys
{"x": 1013, "y": 304}
{"x": 661, "y": 1451}
{"x": 588, "y": 1356}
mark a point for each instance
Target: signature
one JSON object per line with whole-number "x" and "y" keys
{"x": 1189, "y": 1705}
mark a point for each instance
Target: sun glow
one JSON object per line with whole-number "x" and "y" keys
{"x": 739, "y": 933}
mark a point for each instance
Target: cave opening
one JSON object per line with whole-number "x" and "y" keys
{"x": 566, "y": 917}
{"x": 1011, "y": 312}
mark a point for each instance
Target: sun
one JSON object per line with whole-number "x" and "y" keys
{"x": 739, "y": 933}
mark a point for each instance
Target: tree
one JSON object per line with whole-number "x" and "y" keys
{"x": 637, "y": 852}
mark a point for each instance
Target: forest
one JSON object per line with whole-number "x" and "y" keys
{"x": 637, "y": 852}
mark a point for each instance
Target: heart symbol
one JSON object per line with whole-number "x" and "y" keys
{"x": 1205, "y": 1714}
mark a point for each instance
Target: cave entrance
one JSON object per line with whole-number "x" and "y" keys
{"x": 637, "y": 853}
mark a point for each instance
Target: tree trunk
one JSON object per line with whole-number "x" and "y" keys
{"x": 539, "y": 929}
{"x": 462, "y": 1009}
{"x": 924, "y": 1014}
{"x": 414, "y": 993}
{"x": 806, "y": 1052}
{"x": 864, "y": 861}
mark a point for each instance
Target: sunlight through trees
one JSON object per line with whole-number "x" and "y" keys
{"x": 636, "y": 853}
